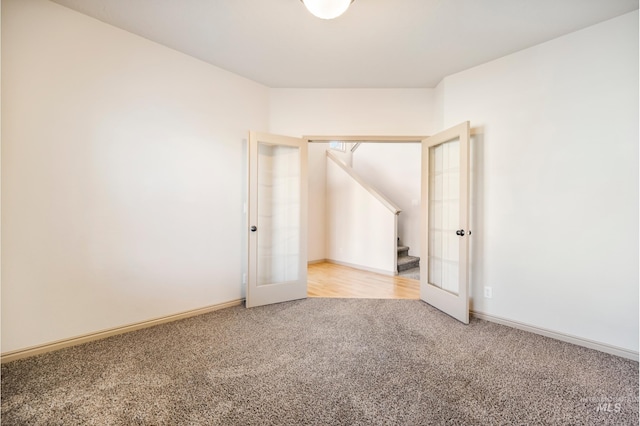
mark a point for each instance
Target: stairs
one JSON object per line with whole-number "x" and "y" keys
{"x": 405, "y": 261}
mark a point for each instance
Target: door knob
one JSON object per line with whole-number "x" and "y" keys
{"x": 460, "y": 232}
{"x": 253, "y": 229}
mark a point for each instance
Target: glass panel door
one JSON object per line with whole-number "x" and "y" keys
{"x": 278, "y": 213}
{"x": 277, "y": 219}
{"x": 444, "y": 215}
{"x": 445, "y": 230}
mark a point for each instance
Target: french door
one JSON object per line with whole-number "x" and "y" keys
{"x": 277, "y": 219}
{"x": 445, "y": 230}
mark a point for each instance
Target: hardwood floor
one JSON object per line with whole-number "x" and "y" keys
{"x": 331, "y": 280}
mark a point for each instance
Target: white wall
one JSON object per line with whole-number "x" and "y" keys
{"x": 297, "y": 112}
{"x": 556, "y": 182}
{"x": 394, "y": 169}
{"x": 317, "y": 205}
{"x": 360, "y": 230}
{"x": 317, "y": 202}
{"x": 391, "y": 112}
{"x": 122, "y": 176}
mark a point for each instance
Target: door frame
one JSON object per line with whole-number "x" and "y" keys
{"x": 359, "y": 138}
{"x": 462, "y": 316}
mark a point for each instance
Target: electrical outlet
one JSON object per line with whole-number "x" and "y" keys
{"x": 488, "y": 293}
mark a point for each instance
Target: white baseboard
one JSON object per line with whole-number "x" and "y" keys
{"x": 360, "y": 267}
{"x": 60, "y": 344}
{"x": 313, "y": 262}
{"x": 602, "y": 347}
{"x": 64, "y": 343}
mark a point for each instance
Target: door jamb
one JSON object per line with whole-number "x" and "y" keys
{"x": 359, "y": 138}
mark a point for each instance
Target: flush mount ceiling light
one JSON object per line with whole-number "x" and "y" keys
{"x": 327, "y": 9}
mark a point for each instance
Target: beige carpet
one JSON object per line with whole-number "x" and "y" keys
{"x": 322, "y": 362}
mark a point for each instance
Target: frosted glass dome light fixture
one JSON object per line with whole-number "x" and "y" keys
{"x": 327, "y": 9}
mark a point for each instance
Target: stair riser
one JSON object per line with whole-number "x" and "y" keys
{"x": 409, "y": 265}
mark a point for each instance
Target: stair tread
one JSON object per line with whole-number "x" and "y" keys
{"x": 403, "y": 248}
{"x": 407, "y": 259}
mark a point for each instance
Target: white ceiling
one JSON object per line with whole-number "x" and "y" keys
{"x": 376, "y": 44}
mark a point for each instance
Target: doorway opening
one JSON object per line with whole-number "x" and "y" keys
{"x": 341, "y": 226}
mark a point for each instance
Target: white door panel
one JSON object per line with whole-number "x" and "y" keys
{"x": 445, "y": 221}
{"x": 277, "y": 219}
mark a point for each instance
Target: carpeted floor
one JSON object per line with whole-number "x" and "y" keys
{"x": 322, "y": 362}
